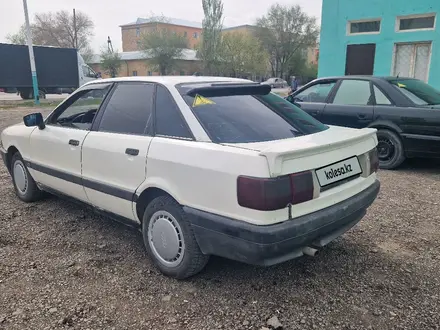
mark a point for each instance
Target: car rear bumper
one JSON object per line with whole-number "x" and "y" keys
{"x": 273, "y": 244}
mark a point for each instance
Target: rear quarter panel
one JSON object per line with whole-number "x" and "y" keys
{"x": 203, "y": 175}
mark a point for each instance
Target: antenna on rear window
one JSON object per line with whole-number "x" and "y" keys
{"x": 398, "y": 74}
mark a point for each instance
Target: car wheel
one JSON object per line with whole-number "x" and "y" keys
{"x": 169, "y": 239}
{"x": 390, "y": 149}
{"x": 24, "y": 185}
{"x": 41, "y": 95}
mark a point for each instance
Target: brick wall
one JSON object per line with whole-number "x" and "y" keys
{"x": 132, "y": 35}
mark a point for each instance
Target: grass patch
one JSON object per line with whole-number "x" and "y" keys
{"x": 6, "y": 105}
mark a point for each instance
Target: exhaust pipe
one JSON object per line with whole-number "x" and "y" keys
{"x": 310, "y": 251}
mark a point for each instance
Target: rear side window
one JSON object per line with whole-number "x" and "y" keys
{"x": 381, "y": 99}
{"x": 129, "y": 109}
{"x": 169, "y": 121}
{"x": 251, "y": 118}
{"x": 353, "y": 92}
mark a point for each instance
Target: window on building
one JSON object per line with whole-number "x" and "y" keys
{"x": 353, "y": 92}
{"x": 129, "y": 109}
{"x": 195, "y": 35}
{"x": 135, "y": 73}
{"x": 138, "y": 32}
{"x": 182, "y": 73}
{"x": 408, "y": 23}
{"x": 169, "y": 120}
{"x": 372, "y": 26}
{"x": 412, "y": 60}
{"x": 185, "y": 34}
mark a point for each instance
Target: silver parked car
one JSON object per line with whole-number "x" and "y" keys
{"x": 276, "y": 83}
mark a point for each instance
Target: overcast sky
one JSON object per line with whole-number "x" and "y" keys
{"x": 108, "y": 15}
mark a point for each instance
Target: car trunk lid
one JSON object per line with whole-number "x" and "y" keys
{"x": 313, "y": 151}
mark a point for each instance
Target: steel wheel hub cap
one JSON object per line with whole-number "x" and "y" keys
{"x": 20, "y": 177}
{"x": 385, "y": 149}
{"x": 166, "y": 239}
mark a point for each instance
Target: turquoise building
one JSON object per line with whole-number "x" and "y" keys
{"x": 381, "y": 37}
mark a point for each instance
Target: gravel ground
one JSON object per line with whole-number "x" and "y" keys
{"x": 62, "y": 267}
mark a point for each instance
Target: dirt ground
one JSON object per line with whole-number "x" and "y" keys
{"x": 62, "y": 267}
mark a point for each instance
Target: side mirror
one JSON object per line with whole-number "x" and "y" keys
{"x": 290, "y": 98}
{"x": 34, "y": 119}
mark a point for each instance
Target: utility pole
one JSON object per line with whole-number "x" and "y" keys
{"x": 31, "y": 54}
{"x": 75, "y": 33}
{"x": 109, "y": 45}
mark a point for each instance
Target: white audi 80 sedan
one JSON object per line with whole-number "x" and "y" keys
{"x": 201, "y": 166}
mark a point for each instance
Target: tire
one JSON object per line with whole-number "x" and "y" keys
{"x": 165, "y": 221}
{"x": 390, "y": 149}
{"x": 25, "y": 187}
{"x": 26, "y": 94}
{"x": 41, "y": 95}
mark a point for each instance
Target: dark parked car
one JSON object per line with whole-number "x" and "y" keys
{"x": 405, "y": 111}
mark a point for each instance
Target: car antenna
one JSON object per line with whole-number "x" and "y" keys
{"x": 398, "y": 75}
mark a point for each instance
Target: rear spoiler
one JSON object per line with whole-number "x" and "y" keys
{"x": 225, "y": 89}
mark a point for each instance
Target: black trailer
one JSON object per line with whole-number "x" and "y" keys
{"x": 57, "y": 69}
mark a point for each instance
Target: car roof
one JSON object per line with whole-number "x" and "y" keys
{"x": 169, "y": 80}
{"x": 363, "y": 77}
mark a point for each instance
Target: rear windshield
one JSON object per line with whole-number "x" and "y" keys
{"x": 250, "y": 118}
{"x": 417, "y": 91}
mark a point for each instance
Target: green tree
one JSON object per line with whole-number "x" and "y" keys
{"x": 162, "y": 47}
{"x": 284, "y": 31}
{"x": 242, "y": 54}
{"x": 298, "y": 66}
{"x": 110, "y": 62}
{"x": 212, "y": 24}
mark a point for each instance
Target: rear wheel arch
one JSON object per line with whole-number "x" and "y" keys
{"x": 382, "y": 124}
{"x": 146, "y": 197}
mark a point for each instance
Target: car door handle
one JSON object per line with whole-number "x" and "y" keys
{"x": 315, "y": 112}
{"x": 74, "y": 143}
{"x": 362, "y": 116}
{"x": 132, "y": 152}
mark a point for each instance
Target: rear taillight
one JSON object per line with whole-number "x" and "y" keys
{"x": 374, "y": 161}
{"x": 302, "y": 187}
{"x": 276, "y": 193}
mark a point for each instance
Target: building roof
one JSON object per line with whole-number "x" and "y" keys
{"x": 180, "y": 22}
{"x": 171, "y": 80}
{"x": 239, "y": 27}
{"x": 187, "y": 55}
{"x": 166, "y": 20}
